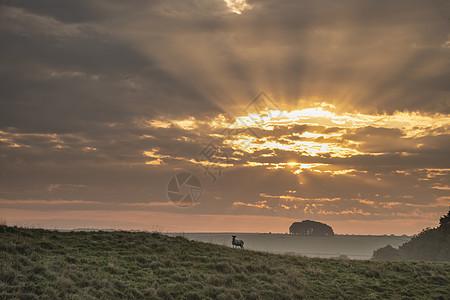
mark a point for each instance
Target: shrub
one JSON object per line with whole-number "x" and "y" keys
{"x": 387, "y": 253}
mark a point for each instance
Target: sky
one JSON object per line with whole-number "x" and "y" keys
{"x": 334, "y": 111}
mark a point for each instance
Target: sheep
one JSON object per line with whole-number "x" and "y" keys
{"x": 237, "y": 242}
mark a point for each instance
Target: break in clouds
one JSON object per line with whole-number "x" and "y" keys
{"x": 102, "y": 102}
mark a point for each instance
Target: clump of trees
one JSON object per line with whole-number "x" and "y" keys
{"x": 308, "y": 227}
{"x": 430, "y": 244}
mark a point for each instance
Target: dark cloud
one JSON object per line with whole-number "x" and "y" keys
{"x": 92, "y": 91}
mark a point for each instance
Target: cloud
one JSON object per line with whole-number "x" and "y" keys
{"x": 237, "y": 6}
{"x": 103, "y": 102}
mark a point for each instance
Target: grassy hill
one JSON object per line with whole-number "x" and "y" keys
{"x": 431, "y": 244}
{"x": 38, "y": 263}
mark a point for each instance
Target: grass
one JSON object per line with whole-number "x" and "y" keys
{"x": 37, "y": 263}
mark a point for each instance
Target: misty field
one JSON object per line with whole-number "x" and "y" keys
{"x": 353, "y": 246}
{"x": 43, "y": 264}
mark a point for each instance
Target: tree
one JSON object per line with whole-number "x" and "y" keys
{"x": 308, "y": 227}
{"x": 444, "y": 223}
{"x": 430, "y": 244}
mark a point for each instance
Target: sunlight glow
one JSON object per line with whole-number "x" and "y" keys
{"x": 319, "y": 131}
{"x": 237, "y": 6}
{"x": 323, "y": 132}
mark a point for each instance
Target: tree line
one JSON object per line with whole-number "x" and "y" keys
{"x": 430, "y": 244}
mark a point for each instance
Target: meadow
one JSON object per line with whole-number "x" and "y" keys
{"x": 352, "y": 246}
{"x": 44, "y": 264}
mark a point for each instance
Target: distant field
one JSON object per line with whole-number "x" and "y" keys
{"x": 355, "y": 247}
{"x": 43, "y": 264}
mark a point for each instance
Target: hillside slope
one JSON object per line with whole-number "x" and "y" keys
{"x": 431, "y": 244}
{"x": 85, "y": 265}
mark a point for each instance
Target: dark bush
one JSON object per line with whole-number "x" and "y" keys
{"x": 387, "y": 253}
{"x": 431, "y": 244}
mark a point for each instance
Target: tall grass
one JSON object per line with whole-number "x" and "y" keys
{"x": 43, "y": 264}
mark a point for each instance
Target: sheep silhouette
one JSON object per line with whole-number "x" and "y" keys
{"x": 236, "y": 242}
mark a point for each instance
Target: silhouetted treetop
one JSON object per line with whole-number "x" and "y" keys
{"x": 308, "y": 227}
{"x": 444, "y": 223}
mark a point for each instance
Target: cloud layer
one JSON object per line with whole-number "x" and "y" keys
{"x": 103, "y": 102}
